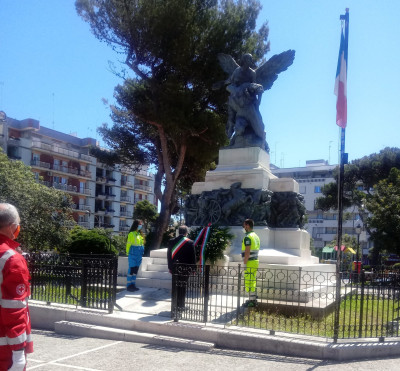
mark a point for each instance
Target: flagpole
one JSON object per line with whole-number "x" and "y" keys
{"x": 343, "y": 157}
{"x": 343, "y": 161}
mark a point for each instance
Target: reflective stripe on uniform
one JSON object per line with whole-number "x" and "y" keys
{"x": 7, "y": 255}
{"x": 253, "y": 254}
{"x": 14, "y": 304}
{"x": 5, "y": 340}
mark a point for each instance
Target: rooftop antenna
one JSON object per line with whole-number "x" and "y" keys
{"x": 282, "y": 159}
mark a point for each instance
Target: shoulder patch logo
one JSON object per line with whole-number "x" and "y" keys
{"x": 20, "y": 290}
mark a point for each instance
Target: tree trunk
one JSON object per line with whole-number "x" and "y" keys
{"x": 161, "y": 226}
{"x": 170, "y": 183}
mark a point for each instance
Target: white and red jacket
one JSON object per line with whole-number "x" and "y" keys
{"x": 15, "y": 324}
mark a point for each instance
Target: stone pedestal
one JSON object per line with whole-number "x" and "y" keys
{"x": 251, "y": 167}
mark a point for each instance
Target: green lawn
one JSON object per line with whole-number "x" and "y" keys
{"x": 376, "y": 313}
{"x": 95, "y": 297}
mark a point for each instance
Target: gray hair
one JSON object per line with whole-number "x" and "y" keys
{"x": 183, "y": 229}
{"x": 8, "y": 215}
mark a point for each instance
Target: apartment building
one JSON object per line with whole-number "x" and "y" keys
{"x": 103, "y": 196}
{"x": 322, "y": 226}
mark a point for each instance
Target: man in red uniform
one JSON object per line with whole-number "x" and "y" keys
{"x": 15, "y": 325}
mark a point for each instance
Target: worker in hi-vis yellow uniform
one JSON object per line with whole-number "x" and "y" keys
{"x": 250, "y": 249}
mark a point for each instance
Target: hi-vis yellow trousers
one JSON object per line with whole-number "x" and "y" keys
{"x": 250, "y": 276}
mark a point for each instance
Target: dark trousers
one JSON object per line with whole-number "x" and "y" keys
{"x": 182, "y": 280}
{"x": 181, "y": 273}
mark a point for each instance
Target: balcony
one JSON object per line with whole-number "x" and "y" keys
{"x": 14, "y": 141}
{"x": 85, "y": 173}
{"x": 84, "y": 224}
{"x": 62, "y": 151}
{"x": 124, "y": 228}
{"x": 125, "y": 199}
{"x": 106, "y": 225}
{"x": 126, "y": 183}
{"x": 110, "y": 211}
{"x": 144, "y": 173}
{"x": 110, "y": 196}
{"x": 126, "y": 214}
{"x": 65, "y": 187}
{"x": 82, "y": 207}
{"x": 101, "y": 179}
{"x": 111, "y": 180}
{"x": 101, "y": 195}
{"x": 41, "y": 164}
{"x": 61, "y": 168}
{"x": 85, "y": 191}
{"x": 143, "y": 187}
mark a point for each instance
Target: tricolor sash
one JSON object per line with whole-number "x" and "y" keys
{"x": 178, "y": 246}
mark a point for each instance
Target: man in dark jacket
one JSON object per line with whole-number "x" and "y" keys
{"x": 181, "y": 251}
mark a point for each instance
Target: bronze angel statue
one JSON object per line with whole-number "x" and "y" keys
{"x": 245, "y": 127}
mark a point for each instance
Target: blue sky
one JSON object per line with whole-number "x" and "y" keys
{"x": 54, "y": 70}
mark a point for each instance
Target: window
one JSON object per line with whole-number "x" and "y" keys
{"x": 317, "y": 189}
{"x": 302, "y": 189}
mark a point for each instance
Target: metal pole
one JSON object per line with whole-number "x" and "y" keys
{"x": 343, "y": 161}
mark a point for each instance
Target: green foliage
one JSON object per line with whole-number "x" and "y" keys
{"x": 119, "y": 242}
{"x": 166, "y": 236}
{"x": 167, "y": 113}
{"x": 367, "y": 171}
{"x": 372, "y": 173}
{"x": 384, "y": 206}
{"x": 93, "y": 241}
{"x": 146, "y": 212}
{"x": 46, "y": 213}
{"x": 219, "y": 239}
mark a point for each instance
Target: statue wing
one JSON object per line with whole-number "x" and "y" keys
{"x": 267, "y": 73}
{"x": 227, "y": 63}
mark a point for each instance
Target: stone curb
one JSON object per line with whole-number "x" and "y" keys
{"x": 130, "y": 326}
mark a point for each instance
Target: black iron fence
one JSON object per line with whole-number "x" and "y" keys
{"x": 88, "y": 281}
{"x": 292, "y": 300}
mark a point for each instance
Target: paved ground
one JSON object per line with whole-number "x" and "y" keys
{"x": 55, "y": 352}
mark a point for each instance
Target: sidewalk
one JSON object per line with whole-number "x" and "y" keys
{"x": 145, "y": 317}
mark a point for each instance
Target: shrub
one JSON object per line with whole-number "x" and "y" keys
{"x": 93, "y": 241}
{"x": 218, "y": 241}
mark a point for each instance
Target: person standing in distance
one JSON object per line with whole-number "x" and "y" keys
{"x": 250, "y": 249}
{"x": 181, "y": 250}
{"x": 15, "y": 324}
{"x": 134, "y": 250}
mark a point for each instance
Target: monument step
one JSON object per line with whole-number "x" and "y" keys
{"x": 147, "y": 282}
{"x": 159, "y": 261}
{"x": 157, "y": 267}
{"x": 154, "y": 282}
{"x": 155, "y": 275}
{"x": 160, "y": 253}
